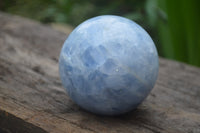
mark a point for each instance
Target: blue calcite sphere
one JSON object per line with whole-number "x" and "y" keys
{"x": 108, "y": 65}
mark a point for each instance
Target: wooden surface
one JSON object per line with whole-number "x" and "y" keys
{"x": 32, "y": 98}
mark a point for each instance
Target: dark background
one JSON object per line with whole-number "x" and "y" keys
{"x": 174, "y": 25}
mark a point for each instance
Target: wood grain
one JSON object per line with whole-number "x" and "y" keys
{"x": 32, "y": 98}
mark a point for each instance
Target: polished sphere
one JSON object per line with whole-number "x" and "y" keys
{"x": 108, "y": 65}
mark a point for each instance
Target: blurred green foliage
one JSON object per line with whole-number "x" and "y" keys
{"x": 173, "y": 25}
{"x": 181, "y": 35}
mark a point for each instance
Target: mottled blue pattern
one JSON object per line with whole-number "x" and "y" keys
{"x": 108, "y": 65}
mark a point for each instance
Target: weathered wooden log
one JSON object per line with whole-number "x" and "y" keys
{"x": 32, "y": 98}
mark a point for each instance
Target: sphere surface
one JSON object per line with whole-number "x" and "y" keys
{"x": 108, "y": 65}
